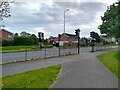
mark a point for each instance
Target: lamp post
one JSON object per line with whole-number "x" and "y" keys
{"x": 64, "y": 24}
{"x": 64, "y": 18}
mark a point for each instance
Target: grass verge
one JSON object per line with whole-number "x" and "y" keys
{"x": 40, "y": 78}
{"x": 17, "y": 48}
{"x": 111, "y": 61}
{"x": 22, "y": 48}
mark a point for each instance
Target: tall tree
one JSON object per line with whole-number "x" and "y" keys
{"x": 110, "y": 24}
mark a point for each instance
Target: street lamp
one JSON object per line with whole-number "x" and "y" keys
{"x": 64, "y": 18}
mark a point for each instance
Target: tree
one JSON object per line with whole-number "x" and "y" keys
{"x": 110, "y": 24}
{"x": 16, "y": 34}
{"x": 23, "y": 40}
{"x": 4, "y": 9}
{"x": 34, "y": 37}
{"x": 97, "y": 37}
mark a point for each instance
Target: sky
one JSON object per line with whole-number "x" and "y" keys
{"x": 47, "y": 16}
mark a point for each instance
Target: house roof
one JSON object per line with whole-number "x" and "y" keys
{"x": 70, "y": 35}
{"x": 6, "y": 31}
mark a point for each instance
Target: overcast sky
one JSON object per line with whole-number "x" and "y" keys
{"x": 47, "y": 16}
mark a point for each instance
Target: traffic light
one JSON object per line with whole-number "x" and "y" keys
{"x": 92, "y": 34}
{"x": 41, "y": 35}
{"x": 77, "y": 31}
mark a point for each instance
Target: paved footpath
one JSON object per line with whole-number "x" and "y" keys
{"x": 78, "y": 71}
{"x": 86, "y": 72}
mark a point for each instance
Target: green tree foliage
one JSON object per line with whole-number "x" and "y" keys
{"x": 16, "y": 34}
{"x": 45, "y": 41}
{"x": 97, "y": 37}
{"x": 110, "y": 24}
{"x": 34, "y": 37}
{"x": 21, "y": 40}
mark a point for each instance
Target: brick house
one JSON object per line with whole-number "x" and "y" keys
{"x": 51, "y": 39}
{"x": 67, "y": 39}
{"x": 6, "y": 35}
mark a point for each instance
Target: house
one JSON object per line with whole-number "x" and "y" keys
{"x": 108, "y": 38}
{"x": 66, "y": 39}
{"x": 6, "y": 35}
{"x": 51, "y": 39}
{"x": 25, "y": 34}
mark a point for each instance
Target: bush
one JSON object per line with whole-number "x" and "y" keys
{"x": 7, "y": 43}
{"x": 22, "y": 40}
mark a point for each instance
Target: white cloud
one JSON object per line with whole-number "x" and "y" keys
{"x": 47, "y": 16}
{"x": 39, "y": 29}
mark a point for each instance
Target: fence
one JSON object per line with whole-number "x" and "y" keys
{"x": 99, "y": 48}
{"x": 37, "y": 54}
{"x": 45, "y": 53}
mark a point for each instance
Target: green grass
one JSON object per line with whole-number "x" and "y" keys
{"x": 22, "y": 48}
{"x": 17, "y": 48}
{"x": 111, "y": 61}
{"x": 40, "y": 78}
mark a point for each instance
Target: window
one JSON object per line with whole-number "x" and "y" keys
{"x": 10, "y": 36}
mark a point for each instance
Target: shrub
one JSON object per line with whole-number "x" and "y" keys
{"x": 7, "y": 43}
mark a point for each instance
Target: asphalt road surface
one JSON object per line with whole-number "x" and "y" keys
{"x": 21, "y": 56}
{"x": 50, "y": 52}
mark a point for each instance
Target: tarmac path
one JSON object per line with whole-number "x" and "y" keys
{"x": 78, "y": 71}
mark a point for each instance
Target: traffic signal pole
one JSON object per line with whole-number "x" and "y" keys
{"x": 92, "y": 45}
{"x": 78, "y": 45}
{"x": 92, "y": 35}
{"x": 77, "y": 31}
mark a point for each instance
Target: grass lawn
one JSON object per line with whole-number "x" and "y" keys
{"x": 111, "y": 60}
{"x": 21, "y": 48}
{"x": 40, "y": 78}
{"x": 17, "y": 48}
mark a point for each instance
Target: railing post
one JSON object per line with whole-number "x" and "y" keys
{"x": 25, "y": 54}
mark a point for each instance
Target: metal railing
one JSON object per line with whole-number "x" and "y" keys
{"x": 99, "y": 48}
{"x": 37, "y": 54}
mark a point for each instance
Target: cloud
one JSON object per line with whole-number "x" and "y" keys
{"x": 39, "y": 29}
{"x": 48, "y": 16}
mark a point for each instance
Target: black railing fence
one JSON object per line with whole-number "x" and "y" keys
{"x": 43, "y": 53}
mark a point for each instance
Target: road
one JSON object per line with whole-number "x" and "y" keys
{"x": 16, "y": 56}
{"x": 49, "y": 52}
